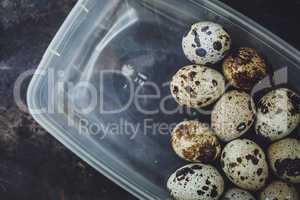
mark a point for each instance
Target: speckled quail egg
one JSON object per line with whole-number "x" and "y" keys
{"x": 279, "y": 190}
{"x": 284, "y": 158}
{"x": 196, "y": 182}
{"x": 277, "y": 114}
{"x": 197, "y": 86}
{"x": 194, "y": 141}
{"x": 244, "y": 68}
{"x": 238, "y": 194}
{"x": 244, "y": 163}
{"x": 233, "y": 115}
{"x": 206, "y": 43}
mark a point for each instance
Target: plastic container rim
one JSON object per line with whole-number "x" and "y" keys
{"x": 76, "y": 148}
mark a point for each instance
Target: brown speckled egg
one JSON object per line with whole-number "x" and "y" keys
{"x": 196, "y": 182}
{"x": 206, "y": 43}
{"x": 284, "y": 159}
{"x": 237, "y": 194}
{"x": 233, "y": 115}
{"x": 197, "y": 86}
{"x": 194, "y": 141}
{"x": 277, "y": 114}
{"x": 279, "y": 190}
{"x": 244, "y": 163}
{"x": 244, "y": 68}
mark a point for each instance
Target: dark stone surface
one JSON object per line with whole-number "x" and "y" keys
{"x": 33, "y": 165}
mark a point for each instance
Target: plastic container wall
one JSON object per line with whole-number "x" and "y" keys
{"x": 144, "y": 37}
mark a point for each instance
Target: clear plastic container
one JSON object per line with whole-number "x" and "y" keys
{"x": 140, "y": 39}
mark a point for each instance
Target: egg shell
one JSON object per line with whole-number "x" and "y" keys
{"x": 244, "y": 163}
{"x": 196, "y": 182}
{"x": 279, "y": 190}
{"x": 277, "y": 114}
{"x": 244, "y": 68}
{"x": 238, "y": 194}
{"x": 197, "y": 86}
{"x": 284, "y": 159}
{"x": 233, "y": 115}
{"x": 195, "y": 142}
{"x": 206, "y": 43}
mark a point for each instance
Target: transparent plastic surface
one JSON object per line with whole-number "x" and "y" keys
{"x": 141, "y": 38}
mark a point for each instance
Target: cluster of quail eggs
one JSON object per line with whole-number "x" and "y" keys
{"x": 220, "y": 151}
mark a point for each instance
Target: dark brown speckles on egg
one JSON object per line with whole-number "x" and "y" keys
{"x": 217, "y": 45}
{"x": 290, "y": 167}
{"x": 192, "y": 75}
{"x": 203, "y": 144}
{"x": 271, "y": 112}
{"x": 234, "y": 115}
{"x": 259, "y": 171}
{"x": 196, "y": 167}
{"x": 250, "y": 122}
{"x": 239, "y": 160}
{"x": 237, "y": 194}
{"x": 205, "y": 28}
{"x": 182, "y": 173}
{"x": 261, "y": 180}
{"x": 207, "y": 182}
{"x": 244, "y": 68}
{"x": 209, "y": 35}
{"x": 253, "y": 159}
{"x": 263, "y": 108}
{"x": 233, "y": 165}
{"x": 215, "y": 83}
{"x": 196, "y": 39}
{"x": 183, "y": 76}
{"x": 200, "y": 192}
{"x": 242, "y": 167}
{"x": 204, "y": 184}
{"x": 189, "y": 89}
{"x": 201, "y": 52}
{"x": 214, "y": 192}
{"x": 194, "y": 82}
{"x": 256, "y": 152}
{"x": 205, "y": 188}
{"x": 175, "y": 90}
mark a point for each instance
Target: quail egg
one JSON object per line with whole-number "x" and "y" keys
{"x": 277, "y": 114}
{"x": 237, "y": 194}
{"x": 233, "y": 115}
{"x": 197, "y": 86}
{"x": 244, "y": 163}
{"x": 284, "y": 158}
{"x": 194, "y": 141}
{"x": 244, "y": 68}
{"x": 206, "y": 43}
{"x": 279, "y": 190}
{"x": 196, "y": 182}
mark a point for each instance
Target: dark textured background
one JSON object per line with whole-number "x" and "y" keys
{"x": 33, "y": 165}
